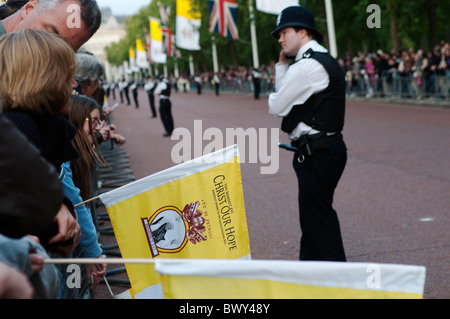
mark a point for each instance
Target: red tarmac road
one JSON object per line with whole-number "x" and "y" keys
{"x": 392, "y": 201}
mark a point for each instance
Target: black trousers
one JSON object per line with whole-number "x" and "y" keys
{"x": 257, "y": 88}
{"x": 135, "y": 98}
{"x": 318, "y": 176}
{"x": 166, "y": 115}
{"x": 151, "y": 99}
{"x": 127, "y": 95}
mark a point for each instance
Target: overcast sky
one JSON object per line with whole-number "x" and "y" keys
{"x": 123, "y": 7}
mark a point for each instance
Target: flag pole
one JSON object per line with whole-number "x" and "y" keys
{"x": 61, "y": 261}
{"x": 111, "y": 261}
{"x": 214, "y": 52}
{"x": 191, "y": 64}
{"x": 331, "y": 31}
{"x": 87, "y": 201}
{"x": 253, "y": 35}
{"x": 176, "y": 72}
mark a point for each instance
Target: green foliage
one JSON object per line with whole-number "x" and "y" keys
{"x": 421, "y": 24}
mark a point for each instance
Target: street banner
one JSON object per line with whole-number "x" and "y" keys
{"x": 141, "y": 55}
{"x": 188, "y": 23}
{"x": 192, "y": 210}
{"x": 274, "y": 7}
{"x": 132, "y": 59}
{"x": 156, "y": 42}
{"x": 264, "y": 279}
{"x": 223, "y": 18}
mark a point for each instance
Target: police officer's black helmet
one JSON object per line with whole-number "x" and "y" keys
{"x": 297, "y": 16}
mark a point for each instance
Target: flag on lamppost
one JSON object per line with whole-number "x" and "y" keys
{"x": 187, "y": 24}
{"x": 141, "y": 55}
{"x": 156, "y": 40}
{"x": 164, "y": 14}
{"x": 132, "y": 61}
{"x": 274, "y": 6}
{"x": 223, "y": 18}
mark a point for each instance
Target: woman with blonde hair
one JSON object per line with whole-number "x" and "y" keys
{"x": 36, "y": 81}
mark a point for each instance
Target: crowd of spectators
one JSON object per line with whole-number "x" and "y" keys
{"x": 409, "y": 73}
{"x": 50, "y": 132}
{"x": 406, "y": 74}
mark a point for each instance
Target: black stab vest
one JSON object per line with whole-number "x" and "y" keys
{"x": 323, "y": 111}
{"x": 166, "y": 91}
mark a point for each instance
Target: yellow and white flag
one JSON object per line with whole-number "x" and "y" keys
{"x": 188, "y": 22}
{"x": 156, "y": 42}
{"x": 141, "y": 55}
{"x": 132, "y": 60}
{"x": 192, "y": 210}
{"x": 263, "y": 279}
{"x": 274, "y": 7}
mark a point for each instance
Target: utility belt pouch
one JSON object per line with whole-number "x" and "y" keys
{"x": 303, "y": 146}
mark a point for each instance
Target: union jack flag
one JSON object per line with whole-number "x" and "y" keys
{"x": 223, "y": 18}
{"x": 168, "y": 39}
{"x": 164, "y": 13}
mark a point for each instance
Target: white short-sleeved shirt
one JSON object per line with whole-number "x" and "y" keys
{"x": 296, "y": 83}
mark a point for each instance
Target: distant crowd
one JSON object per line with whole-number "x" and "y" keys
{"x": 406, "y": 74}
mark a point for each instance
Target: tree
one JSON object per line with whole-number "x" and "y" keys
{"x": 417, "y": 24}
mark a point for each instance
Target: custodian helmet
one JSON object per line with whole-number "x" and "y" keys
{"x": 297, "y": 16}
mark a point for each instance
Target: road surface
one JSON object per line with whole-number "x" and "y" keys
{"x": 393, "y": 200}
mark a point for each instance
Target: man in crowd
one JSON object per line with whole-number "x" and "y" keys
{"x": 75, "y": 21}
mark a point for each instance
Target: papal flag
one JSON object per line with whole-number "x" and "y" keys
{"x": 192, "y": 210}
{"x": 156, "y": 41}
{"x": 274, "y": 7}
{"x": 188, "y": 22}
{"x": 269, "y": 279}
{"x": 132, "y": 60}
{"x": 141, "y": 55}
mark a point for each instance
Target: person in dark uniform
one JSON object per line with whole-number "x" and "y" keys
{"x": 149, "y": 87}
{"x": 134, "y": 90}
{"x": 310, "y": 96}
{"x": 125, "y": 87}
{"x": 256, "y": 77}
{"x": 163, "y": 90}
{"x": 198, "y": 84}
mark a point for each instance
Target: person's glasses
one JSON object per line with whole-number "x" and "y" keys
{"x": 95, "y": 121}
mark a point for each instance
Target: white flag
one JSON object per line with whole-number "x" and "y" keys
{"x": 141, "y": 55}
{"x": 156, "y": 48}
{"x": 281, "y": 279}
{"x": 274, "y": 7}
{"x": 188, "y": 23}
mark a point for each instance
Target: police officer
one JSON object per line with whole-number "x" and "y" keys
{"x": 163, "y": 90}
{"x": 256, "y": 77}
{"x": 149, "y": 87}
{"x": 310, "y": 96}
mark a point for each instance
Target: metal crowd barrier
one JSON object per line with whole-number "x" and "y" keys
{"x": 116, "y": 173}
{"x": 412, "y": 86}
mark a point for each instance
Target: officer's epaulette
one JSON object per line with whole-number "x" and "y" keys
{"x": 308, "y": 54}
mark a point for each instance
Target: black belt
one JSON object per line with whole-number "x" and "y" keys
{"x": 306, "y": 144}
